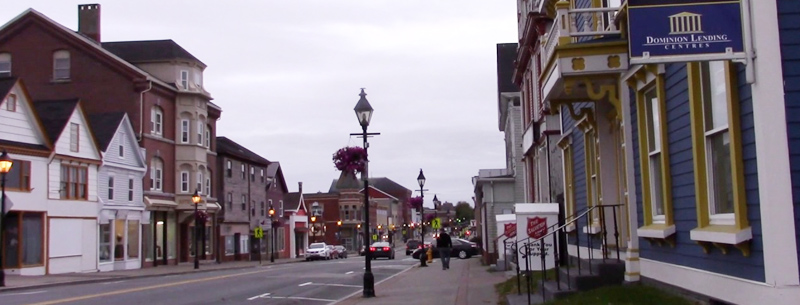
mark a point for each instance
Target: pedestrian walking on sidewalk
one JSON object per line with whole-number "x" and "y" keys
{"x": 444, "y": 244}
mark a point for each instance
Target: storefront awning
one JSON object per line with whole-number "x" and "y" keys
{"x": 159, "y": 204}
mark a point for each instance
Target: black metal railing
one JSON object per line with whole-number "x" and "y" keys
{"x": 594, "y": 223}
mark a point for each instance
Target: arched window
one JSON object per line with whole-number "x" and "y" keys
{"x": 5, "y": 64}
{"x": 61, "y": 64}
{"x": 208, "y": 136}
{"x": 157, "y": 121}
{"x": 156, "y": 174}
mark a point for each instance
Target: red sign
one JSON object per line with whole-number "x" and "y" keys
{"x": 511, "y": 230}
{"x": 537, "y": 227}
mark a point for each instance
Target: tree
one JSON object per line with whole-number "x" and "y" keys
{"x": 464, "y": 211}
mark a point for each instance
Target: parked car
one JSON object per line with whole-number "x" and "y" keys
{"x": 461, "y": 249}
{"x": 341, "y": 251}
{"x": 334, "y": 254}
{"x": 318, "y": 251}
{"x": 411, "y": 246}
{"x": 381, "y": 249}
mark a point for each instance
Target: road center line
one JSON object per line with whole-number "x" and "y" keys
{"x": 259, "y": 296}
{"x": 26, "y": 293}
{"x": 109, "y": 283}
{"x": 304, "y": 284}
{"x": 337, "y": 285}
{"x": 123, "y": 291}
{"x": 350, "y": 272}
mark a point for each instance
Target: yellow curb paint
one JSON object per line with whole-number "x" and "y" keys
{"x": 123, "y": 291}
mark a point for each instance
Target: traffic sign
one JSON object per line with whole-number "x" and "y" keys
{"x": 259, "y": 233}
{"x": 436, "y": 223}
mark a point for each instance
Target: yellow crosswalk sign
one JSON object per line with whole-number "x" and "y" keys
{"x": 436, "y": 223}
{"x": 259, "y": 233}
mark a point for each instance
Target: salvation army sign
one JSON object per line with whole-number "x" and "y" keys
{"x": 510, "y": 230}
{"x": 537, "y": 227}
{"x": 684, "y": 30}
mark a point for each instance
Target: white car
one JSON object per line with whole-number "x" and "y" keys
{"x": 318, "y": 251}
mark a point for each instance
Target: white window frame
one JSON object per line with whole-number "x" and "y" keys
{"x": 208, "y": 186}
{"x": 200, "y": 128}
{"x": 5, "y": 64}
{"x": 156, "y": 174}
{"x": 61, "y": 65}
{"x": 157, "y": 121}
{"x": 131, "y": 185}
{"x": 252, "y": 173}
{"x": 110, "y": 187}
{"x": 654, "y": 153}
{"x": 244, "y": 202}
{"x": 185, "y": 131}
{"x": 184, "y": 181}
{"x": 11, "y": 103}
{"x": 718, "y": 82}
{"x": 199, "y": 182}
{"x": 244, "y": 172}
{"x": 184, "y": 79}
{"x": 74, "y": 137}
{"x": 208, "y": 137}
{"x": 229, "y": 169}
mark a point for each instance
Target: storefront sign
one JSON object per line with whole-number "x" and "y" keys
{"x": 684, "y": 30}
{"x": 537, "y": 227}
{"x": 510, "y": 230}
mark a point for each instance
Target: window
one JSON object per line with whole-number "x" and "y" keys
{"x": 252, "y": 174}
{"x": 281, "y": 237}
{"x": 5, "y": 64}
{"x": 133, "y": 239}
{"x": 717, "y": 146}
{"x": 184, "y": 181}
{"x": 184, "y": 79}
{"x": 122, "y": 151}
{"x": 104, "y": 250}
{"x": 230, "y": 201}
{"x": 199, "y": 182}
{"x": 198, "y": 79}
{"x": 229, "y": 169}
{"x": 653, "y": 156}
{"x": 262, "y": 175}
{"x": 244, "y": 202}
{"x": 280, "y": 210}
{"x": 229, "y": 245}
{"x": 208, "y": 185}
{"x": 156, "y": 174}
{"x": 111, "y": 188}
{"x": 243, "y": 171}
{"x": 156, "y": 121}
{"x": 244, "y": 242}
{"x": 184, "y": 131}
{"x": 208, "y": 136}
{"x": 19, "y": 178}
{"x": 61, "y": 65}
{"x": 74, "y": 137}
{"x": 73, "y": 182}
{"x": 130, "y": 189}
{"x": 262, "y": 209}
{"x": 24, "y": 239}
{"x": 200, "y": 127}
{"x": 11, "y": 103}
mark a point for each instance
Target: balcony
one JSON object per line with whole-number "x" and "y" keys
{"x": 582, "y": 54}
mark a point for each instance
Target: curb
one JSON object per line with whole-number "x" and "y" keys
{"x": 129, "y": 277}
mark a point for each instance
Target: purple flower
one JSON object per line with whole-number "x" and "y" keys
{"x": 351, "y": 159}
{"x": 415, "y": 202}
{"x": 202, "y": 216}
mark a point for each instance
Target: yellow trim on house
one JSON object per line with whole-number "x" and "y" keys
{"x": 702, "y": 185}
{"x": 644, "y": 156}
{"x": 584, "y": 49}
{"x": 569, "y": 184}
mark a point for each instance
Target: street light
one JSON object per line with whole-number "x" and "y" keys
{"x": 274, "y": 231}
{"x": 421, "y": 181}
{"x": 364, "y": 114}
{"x": 196, "y": 201}
{"x": 5, "y": 167}
{"x": 339, "y": 231}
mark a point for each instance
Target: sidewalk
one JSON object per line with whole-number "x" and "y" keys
{"x": 466, "y": 283}
{"x": 17, "y": 282}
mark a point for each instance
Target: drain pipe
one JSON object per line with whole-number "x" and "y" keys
{"x": 141, "y": 108}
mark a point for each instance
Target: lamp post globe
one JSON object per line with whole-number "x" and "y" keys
{"x": 363, "y": 112}
{"x": 5, "y": 166}
{"x": 196, "y": 202}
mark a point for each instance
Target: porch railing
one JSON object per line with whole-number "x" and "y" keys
{"x": 526, "y": 247}
{"x": 576, "y": 25}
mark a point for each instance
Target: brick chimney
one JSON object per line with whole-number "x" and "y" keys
{"x": 300, "y": 187}
{"x": 89, "y": 21}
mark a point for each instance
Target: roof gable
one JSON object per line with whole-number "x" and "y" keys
{"x": 116, "y": 128}
{"x": 22, "y": 127}
{"x": 228, "y": 147}
{"x": 56, "y": 115}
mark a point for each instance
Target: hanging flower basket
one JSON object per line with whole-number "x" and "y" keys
{"x": 202, "y": 216}
{"x": 415, "y": 202}
{"x": 351, "y": 159}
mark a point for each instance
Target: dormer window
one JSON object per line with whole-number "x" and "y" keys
{"x": 5, "y": 64}
{"x": 184, "y": 79}
{"x": 61, "y": 65}
{"x": 122, "y": 151}
{"x": 74, "y": 137}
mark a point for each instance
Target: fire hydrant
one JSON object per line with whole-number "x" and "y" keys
{"x": 430, "y": 254}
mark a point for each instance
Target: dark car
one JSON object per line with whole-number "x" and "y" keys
{"x": 461, "y": 248}
{"x": 411, "y": 246}
{"x": 341, "y": 251}
{"x": 381, "y": 249}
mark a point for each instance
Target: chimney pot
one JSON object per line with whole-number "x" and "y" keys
{"x": 89, "y": 21}
{"x": 300, "y": 187}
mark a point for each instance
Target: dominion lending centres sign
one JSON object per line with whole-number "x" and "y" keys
{"x": 684, "y": 30}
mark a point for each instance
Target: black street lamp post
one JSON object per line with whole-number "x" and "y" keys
{"x": 273, "y": 228}
{"x": 339, "y": 231}
{"x": 196, "y": 201}
{"x": 364, "y": 114}
{"x": 5, "y": 167}
{"x": 314, "y": 228}
{"x": 421, "y": 181}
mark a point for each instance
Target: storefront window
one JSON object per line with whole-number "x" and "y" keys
{"x": 133, "y": 238}
{"x": 23, "y": 239}
{"x": 105, "y": 243}
{"x": 147, "y": 239}
{"x": 119, "y": 240}
{"x": 229, "y": 245}
{"x": 209, "y": 237}
{"x": 172, "y": 242}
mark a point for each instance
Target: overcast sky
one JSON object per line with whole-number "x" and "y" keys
{"x": 287, "y": 75}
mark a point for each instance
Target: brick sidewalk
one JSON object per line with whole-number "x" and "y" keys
{"x": 17, "y": 282}
{"x": 466, "y": 283}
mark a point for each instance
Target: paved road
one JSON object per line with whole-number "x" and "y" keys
{"x": 318, "y": 282}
